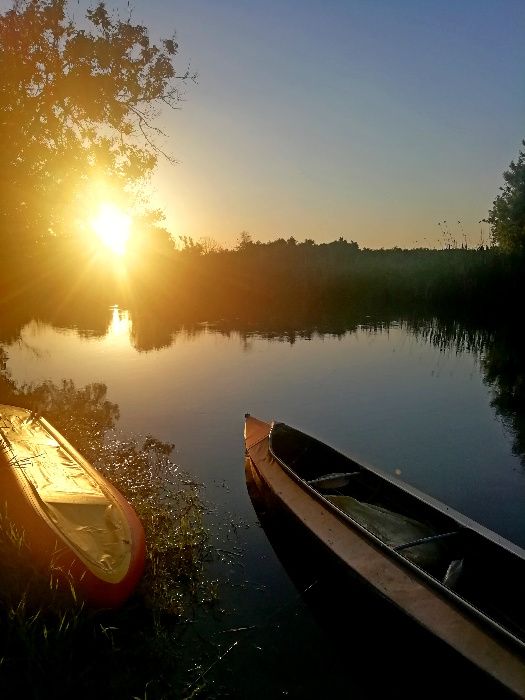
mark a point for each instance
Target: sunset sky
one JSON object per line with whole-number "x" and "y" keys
{"x": 373, "y": 119}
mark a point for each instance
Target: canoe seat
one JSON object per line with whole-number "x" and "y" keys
{"x": 396, "y": 530}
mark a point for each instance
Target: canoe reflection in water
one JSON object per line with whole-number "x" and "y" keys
{"x": 403, "y": 583}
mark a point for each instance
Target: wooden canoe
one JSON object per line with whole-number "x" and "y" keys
{"x": 458, "y": 580}
{"x": 72, "y": 518}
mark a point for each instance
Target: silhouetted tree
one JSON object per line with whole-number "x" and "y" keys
{"x": 244, "y": 241}
{"x": 507, "y": 216}
{"x": 210, "y": 245}
{"x": 189, "y": 246}
{"x": 77, "y": 109}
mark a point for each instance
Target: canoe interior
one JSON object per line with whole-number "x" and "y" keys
{"x": 483, "y": 572}
{"x": 339, "y": 604}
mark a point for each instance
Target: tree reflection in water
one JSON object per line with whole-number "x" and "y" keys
{"x": 500, "y": 347}
{"x": 501, "y": 352}
{"x": 504, "y": 369}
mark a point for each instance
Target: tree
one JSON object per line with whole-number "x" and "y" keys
{"x": 209, "y": 245}
{"x": 77, "y": 113}
{"x": 190, "y": 247}
{"x": 244, "y": 241}
{"x": 507, "y": 216}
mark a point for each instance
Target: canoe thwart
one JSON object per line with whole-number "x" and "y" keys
{"x": 332, "y": 481}
{"x": 425, "y": 540}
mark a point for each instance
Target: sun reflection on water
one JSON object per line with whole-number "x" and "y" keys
{"x": 120, "y": 324}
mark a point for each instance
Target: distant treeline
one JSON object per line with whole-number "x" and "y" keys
{"x": 262, "y": 279}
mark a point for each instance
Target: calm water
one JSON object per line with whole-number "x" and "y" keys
{"x": 389, "y": 396}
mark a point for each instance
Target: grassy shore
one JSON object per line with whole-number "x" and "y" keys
{"x": 51, "y": 644}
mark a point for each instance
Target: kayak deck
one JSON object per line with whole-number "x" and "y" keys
{"x": 70, "y": 496}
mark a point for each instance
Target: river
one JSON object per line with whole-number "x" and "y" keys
{"x": 419, "y": 401}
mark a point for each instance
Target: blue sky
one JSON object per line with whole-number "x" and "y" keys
{"x": 373, "y": 120}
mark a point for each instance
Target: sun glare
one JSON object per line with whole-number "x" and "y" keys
{"x": 112, "y": 226}
{"x": 120, "y": 324}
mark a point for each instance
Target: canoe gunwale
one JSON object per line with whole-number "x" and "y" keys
{"x": 388, "y": 552}
{"x": 462, "y": 521}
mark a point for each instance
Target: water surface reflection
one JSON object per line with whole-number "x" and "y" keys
{"x": 440, "y": 402}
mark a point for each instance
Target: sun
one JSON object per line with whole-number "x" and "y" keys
{"x": 112, "y": 226}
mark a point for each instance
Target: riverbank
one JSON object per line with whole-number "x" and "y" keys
{"x": 51, "y": 645}
{"x": 274, "y": 279}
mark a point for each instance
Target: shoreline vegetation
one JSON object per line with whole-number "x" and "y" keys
{"x": 46, "y": 632}
{"x": 265, "y": 280}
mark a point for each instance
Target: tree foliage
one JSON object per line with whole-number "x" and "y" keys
{"x": 78, "y": 103}
{"x": 507, "y": 216}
